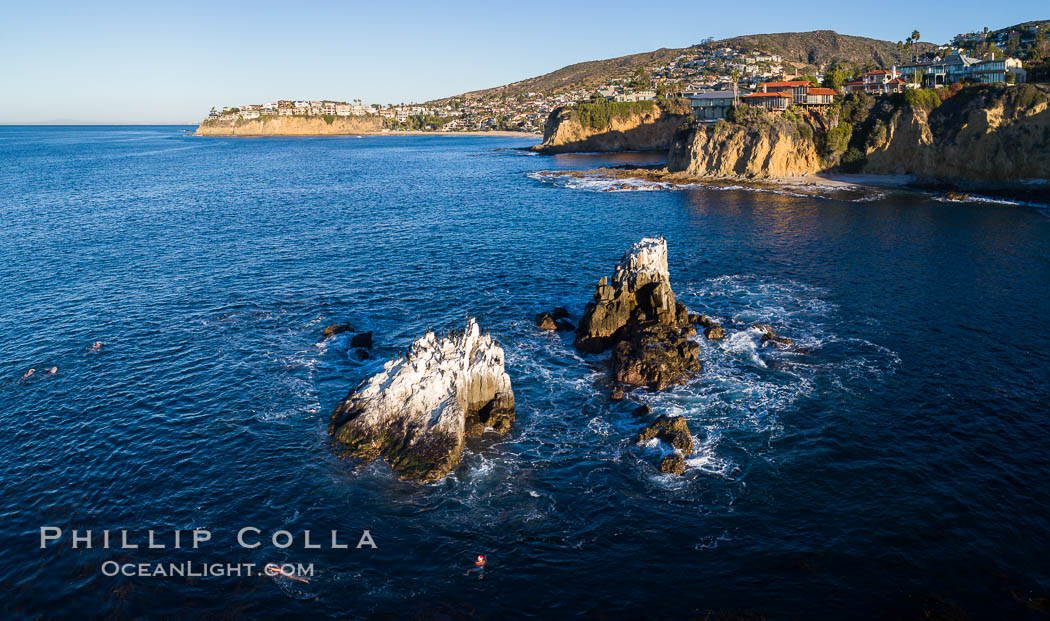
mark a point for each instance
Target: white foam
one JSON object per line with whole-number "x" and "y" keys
{"x": 600, "y": 183}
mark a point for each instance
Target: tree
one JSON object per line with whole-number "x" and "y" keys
{"x": 838, "y": 75}
{"x": 915, "y": 36}
{"x": 641, "y": 79}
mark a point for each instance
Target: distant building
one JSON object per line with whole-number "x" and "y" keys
{"x": 820, "y": 97}
{"x": 636, "y": 96}
{"x": 879, "y": 82}
{"x": 957, "y": 67}
{"x": 802, "y": 93}
{"x": 798, "y": 89}
{"x": 774, "y": 102}
{"x": 713, "y": 105}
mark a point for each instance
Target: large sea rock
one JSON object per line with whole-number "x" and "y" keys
{"x": 418, "y": 412}
{"x": 636, "y": 315}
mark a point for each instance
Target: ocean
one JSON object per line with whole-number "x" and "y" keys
{"x": 892, "y": 463}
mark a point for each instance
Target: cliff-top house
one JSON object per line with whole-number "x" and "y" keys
{"x": 957, "y": 67}
{"x": 878, "y": 82}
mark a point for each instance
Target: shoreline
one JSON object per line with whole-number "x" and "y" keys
{"x": 842, "y": 186}
{"x": 490, "y": 134}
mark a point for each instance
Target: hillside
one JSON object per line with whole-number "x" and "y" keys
{"x": 819, "y": 47}
{"x": 590, "y": 74}
{"x": 823, "y": 47}
{"x": 1027, "y": 40}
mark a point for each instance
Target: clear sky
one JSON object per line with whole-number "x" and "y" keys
{"x": 145, "y": 62}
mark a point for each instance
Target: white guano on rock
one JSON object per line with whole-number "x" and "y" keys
{"x": 418, "y": 412}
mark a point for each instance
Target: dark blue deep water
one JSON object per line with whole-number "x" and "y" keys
{"x": 895, "y": 463}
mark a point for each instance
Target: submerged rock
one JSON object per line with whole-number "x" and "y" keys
{"x": 362, "y": 340}
{"x": 673, "y": 464}
{"x": 637, "y": 315}
{"x": 554, "y": 320}
{"x": 335, "y": 328}
{"x": 670, "y": 429}
{"x": 675, "y": 432}
{"x": 714, "y": 332}
{"x": 545, "y": 321}
{"x": 418, "y": 412}
{"x": 769, "y": 336}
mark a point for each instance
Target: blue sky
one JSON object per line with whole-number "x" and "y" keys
{"x": 140, "y": 62}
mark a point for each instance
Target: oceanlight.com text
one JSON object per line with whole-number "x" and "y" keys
{"x": 190, "y": 569}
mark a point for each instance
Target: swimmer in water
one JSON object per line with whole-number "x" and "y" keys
{"x": 273, "y": 569}
{"x": 96, "y": 346}
{"x": 479, "y": 567}
{"x": 52, "y": 370}
{"x": 28, "y": 374}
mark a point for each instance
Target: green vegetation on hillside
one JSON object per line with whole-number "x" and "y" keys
{"x": 824, "y": 47}
{"x": 599, "y": 112}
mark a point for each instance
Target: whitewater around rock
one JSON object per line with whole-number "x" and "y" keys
{"x": 418, "y": 412}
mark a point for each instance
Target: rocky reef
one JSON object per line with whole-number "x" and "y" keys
{"x": 418, "y": 412}
{"x": 648, "y": 129}
{"x": 636, "y": 315}
{"x": 673, "y": 431}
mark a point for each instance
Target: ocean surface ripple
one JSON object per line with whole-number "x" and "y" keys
{"x": 895, "y": 457}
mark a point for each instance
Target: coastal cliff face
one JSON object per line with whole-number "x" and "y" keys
{"x": 978, "y": 137}
{"x": 644, "y": 130}
{"x": 988, "y": 137}
{"x": 732, "y": 150}
{"x": 292, "y": 126}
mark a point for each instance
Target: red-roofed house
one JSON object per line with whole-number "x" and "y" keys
{"x": 799, "y": 89}
{"x": 820, "y": 96}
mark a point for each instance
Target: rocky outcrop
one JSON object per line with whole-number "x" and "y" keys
{"x": 556, "y": 319}
{"x": 418, "y": 412}
{"x": 649, "y": 130}
{"x": 363, "y": 339}
{"x": 979, "y": 137}
{"x": 334, "y": 329}
{"x": 674, "y": 432}
{"x": 742, "y": 151}
{"x": 769, "y": 336}
{"x": 292, "y": 126}
{"x": 638, "y": 317}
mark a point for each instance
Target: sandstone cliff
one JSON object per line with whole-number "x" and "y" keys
{"x": 418, "y": 412}
{"x": 979, "y": 137}
{"x": 985, "y": 137}
{"x": 734, "y": 150}
{"x": 643, "y": 130}
{"x": 292, "y": 126}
